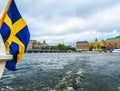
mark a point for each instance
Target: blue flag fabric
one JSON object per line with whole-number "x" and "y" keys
{"x": 15, "y": 34}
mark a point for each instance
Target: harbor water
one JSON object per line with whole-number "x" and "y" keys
{"x": 85, "y": 71}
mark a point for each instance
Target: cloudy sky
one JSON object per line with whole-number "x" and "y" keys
{"x": 69, "y": 21}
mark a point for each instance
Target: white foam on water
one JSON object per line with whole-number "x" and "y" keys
{"x": 118, "y": 88}
{"x": 71, "y": 80}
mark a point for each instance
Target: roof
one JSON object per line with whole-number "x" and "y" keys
{"x": 114, "y": 38}
{"x": 82, "y": 42}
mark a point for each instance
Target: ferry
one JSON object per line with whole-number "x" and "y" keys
{"x": 116, "y": 50}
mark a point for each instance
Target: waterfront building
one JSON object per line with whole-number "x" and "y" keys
{"x": 113, "y": 43}
{"x": 44, "y": 44}
{"x": 33, "y": 44}
{"x": 97, "y": 45}
{"x": 82, "y": 46}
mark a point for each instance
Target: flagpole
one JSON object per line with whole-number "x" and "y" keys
{"x": 4, "y": 13}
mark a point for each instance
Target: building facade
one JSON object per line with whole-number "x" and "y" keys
{"x": 33, "y": 44}
{"x": 82, "y": 46}
{"x": 97, "y": 45}
{"x": 113, "y": 43}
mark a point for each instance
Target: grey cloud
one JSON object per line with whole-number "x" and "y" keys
{"x": 65, "y": 8}
{"x": 58, "y": 20}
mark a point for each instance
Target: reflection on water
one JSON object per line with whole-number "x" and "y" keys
{"x": 64, "y": 72}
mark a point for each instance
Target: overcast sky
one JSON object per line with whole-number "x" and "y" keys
{"x": 69, "y": 21}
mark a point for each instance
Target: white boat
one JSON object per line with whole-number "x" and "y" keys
{"x": 3, "y": 56}
{"x": 116, "y": 50}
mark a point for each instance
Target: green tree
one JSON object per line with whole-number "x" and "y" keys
{"x": 62, "y": 47}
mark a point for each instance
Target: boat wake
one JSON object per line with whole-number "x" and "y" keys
{"x": 71, "y": 81}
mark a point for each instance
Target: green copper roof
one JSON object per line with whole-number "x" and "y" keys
{"x": 114, "y": 38}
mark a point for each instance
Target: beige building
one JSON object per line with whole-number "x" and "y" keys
{"x": 33, "y": 44}
{"x": 113, "y": 43}
{"x": 82, "y": 46}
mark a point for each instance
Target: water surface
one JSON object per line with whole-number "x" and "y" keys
{"x": 87, "y": 71}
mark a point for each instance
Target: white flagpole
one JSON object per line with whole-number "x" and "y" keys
{"x": 3, "y": 55}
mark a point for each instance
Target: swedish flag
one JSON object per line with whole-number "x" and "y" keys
{"x": 15, "y": 34}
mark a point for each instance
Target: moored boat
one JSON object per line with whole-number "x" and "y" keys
{"x": 116, "y": 50}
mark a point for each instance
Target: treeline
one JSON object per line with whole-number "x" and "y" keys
{"x": 59, "y": 47}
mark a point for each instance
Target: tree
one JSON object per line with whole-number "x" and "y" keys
{"x": 62, "y": 47}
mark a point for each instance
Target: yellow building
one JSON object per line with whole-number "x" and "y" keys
{"x": 97, "y": 45}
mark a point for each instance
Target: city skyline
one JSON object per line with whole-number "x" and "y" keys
{"x": 69, "y": 21}
{"x": 74, "y": 42}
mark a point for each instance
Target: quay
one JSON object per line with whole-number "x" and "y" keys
{"x": 49, "y": 51}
